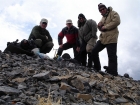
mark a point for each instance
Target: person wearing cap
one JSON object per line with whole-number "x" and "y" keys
{"x": 42, "y": 37}
{"x": 108, "y": 39}
{"x": 87, "y": 37}
{"x": 71, "y": 34}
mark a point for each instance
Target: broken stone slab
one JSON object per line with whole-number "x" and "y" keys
{"x": 84, "y": 96}
{"x": 65, "y": 86}
{"x": 45, "y": 75}
{"x": 18, "y": 80}
{"x": 78, "y": 84}
{"x": 9, "y": 90}
{"x": 120, "y": 100}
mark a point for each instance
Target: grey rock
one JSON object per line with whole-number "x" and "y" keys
{"x": 9, "y": 90}
{"x": 45, "y": 75}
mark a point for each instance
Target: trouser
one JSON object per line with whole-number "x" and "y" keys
{"x": 44, "y": 47}
{"x": 67, "y": 46}
{"x": 86, "y": 49}
{"x": 112, "y": 57}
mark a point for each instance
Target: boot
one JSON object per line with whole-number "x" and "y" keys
{"x": 89, "y": 60}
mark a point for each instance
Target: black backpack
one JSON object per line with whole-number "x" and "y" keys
{"x": 23, "y": 47}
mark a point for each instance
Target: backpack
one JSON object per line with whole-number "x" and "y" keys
{"x": 23, "y": 47}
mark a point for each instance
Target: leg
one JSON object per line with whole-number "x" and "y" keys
{"x": 84, "y": 58}
{"x": 65, "y": 47}
{"x": 112, "y": 64}
{"x": 46, "y": 48}
{"x": 90, "y": 44}
{"x": 38, "y": 42}
{"x": 95, "y": 55}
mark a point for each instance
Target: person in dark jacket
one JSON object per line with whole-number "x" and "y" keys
{"x": 87, "y": 37}
{"x": 71, "y": 34}
{"x": 42, "y": 37}
{"x": 108, "y": 39}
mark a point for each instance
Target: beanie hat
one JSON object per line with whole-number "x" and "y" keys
{"x": 81, "y": 15}
{"x": 101, "y": 5}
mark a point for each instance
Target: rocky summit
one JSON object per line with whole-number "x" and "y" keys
{"x": 26, "y": 80}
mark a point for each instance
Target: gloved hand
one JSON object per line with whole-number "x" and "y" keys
{"x": 47, "y": 37}
{"x": 36, "y": 51}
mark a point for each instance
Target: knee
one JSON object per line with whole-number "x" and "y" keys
{"x": 50, "y": 44}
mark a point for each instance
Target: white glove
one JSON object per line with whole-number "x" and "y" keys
{"x": 36, "y": 51}
{"x": 43, "y": 56}
{"x": 46, "y": 37}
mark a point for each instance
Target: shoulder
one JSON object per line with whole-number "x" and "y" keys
{"x": 90, "y": 21}
{"x": 75, "y": 28}
{"x": 36, "y": 27}
{"x": 112, "y": 12}
{"x": 64, "y": 29}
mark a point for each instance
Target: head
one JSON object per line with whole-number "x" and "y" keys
{"x": 81, "y": 18}
{"x": 102, "y": 8}
{"x": 68, "y": 23}
{"x": 43, "y": 23}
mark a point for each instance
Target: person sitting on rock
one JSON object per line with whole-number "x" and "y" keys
{"x": 42, "y": 37}
{"x": 71, "y": 34}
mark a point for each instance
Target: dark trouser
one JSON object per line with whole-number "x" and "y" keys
{"x": 46, "y": 48}
{"x": 112, "y": 57}
{"x": 67, "y": 46}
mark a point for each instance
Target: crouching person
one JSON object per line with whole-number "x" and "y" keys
{"x": 41, "y": 37}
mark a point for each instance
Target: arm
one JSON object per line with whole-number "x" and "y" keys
{"x": 94, "y": 29}
{"x": 49, "y": 36}
{"x": 114, "y": 22}
{"x": 60, "y": 38}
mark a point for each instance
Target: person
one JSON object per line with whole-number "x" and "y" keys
{"x": 42, "y": 37}
{"x": 108, "y": 39}
{"x": 87, "y": 38}
{"x": 71, "y": 34}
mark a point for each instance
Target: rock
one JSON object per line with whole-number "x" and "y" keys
{"x": 84, "y": 96}
{"x": 45, "y": 75}
{"x": 24, "y": 80}
{"x": 9, "y": 90}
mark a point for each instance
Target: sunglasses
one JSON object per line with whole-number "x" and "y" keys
{"x": 44, "y": 23}
{"x": 80, "y": 18}
{"x": 102, "y": 9}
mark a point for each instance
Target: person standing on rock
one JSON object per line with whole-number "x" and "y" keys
{"x": 71, "y": 34}
{"x": 87, "y": 38}
{"x": 42, "y": 37}
{"x": 108, "y": 27}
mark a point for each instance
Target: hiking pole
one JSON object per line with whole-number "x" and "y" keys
{"x": 55, "y": 52}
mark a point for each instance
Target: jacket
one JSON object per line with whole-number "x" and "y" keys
{"x": 70, "y": 34}
{"x": 88, "y": 30}
{"x": 110, "y": 23}
{"x": 40, "y": 33}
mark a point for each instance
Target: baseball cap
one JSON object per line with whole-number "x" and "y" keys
{"x": 68, "y": 21}
{"x": 44, "y": 20}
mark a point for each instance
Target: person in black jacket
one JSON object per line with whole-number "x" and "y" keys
{"x": 42, "y": 37}
{"x": 71, "y": 34}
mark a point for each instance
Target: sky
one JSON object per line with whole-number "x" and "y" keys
{"x": 18, "y": 17}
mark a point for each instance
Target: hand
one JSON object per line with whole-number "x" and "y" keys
{"x": 46, "y": 37}
{"x": 61, "y": 45}
{"x": 78, "y": 49}
{"x": 100, "y": 24}
{"x": 103, "y": 28}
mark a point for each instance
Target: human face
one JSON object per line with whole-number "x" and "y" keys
{"x": 103, "y": 10}
{"x": 43, "y": 24}
{"x": 69, "y": 25}
{"x": 81, "y": 19}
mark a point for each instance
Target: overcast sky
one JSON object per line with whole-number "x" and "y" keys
{"x": 18, "y": 17}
